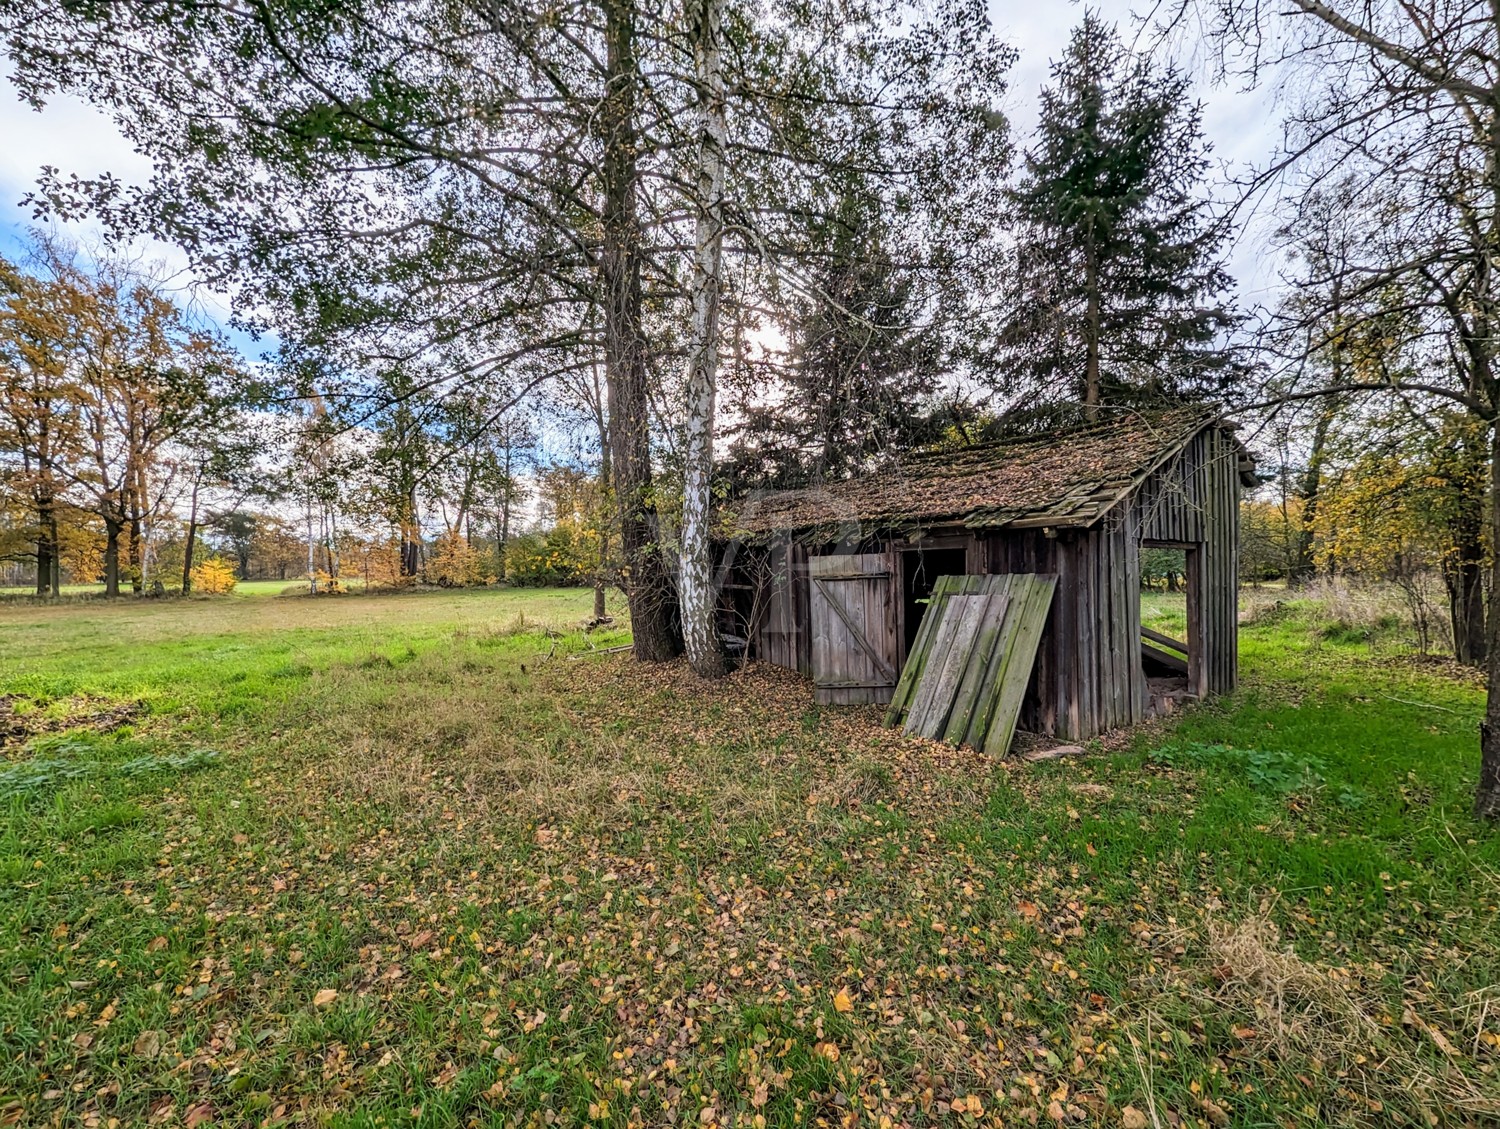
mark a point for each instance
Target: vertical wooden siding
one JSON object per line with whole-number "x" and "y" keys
{"x": 784, "y": 635}
{"x": 1088, "y": 676}
{"x": 1096, "y": 681}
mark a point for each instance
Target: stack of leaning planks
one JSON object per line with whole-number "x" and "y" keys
{"x": 968, "y": 669}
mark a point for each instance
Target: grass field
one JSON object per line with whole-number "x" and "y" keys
{"x": 442, "y": 859}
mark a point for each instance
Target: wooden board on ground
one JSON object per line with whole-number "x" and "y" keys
{"x": 969, "y": 667}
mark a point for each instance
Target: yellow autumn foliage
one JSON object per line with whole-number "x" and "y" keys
{"x": 214, "y": 577}
{"x": 454, "y": 563}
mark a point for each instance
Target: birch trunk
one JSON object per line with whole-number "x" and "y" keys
{"x": 700, "y": 630}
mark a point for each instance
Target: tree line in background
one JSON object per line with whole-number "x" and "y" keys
{"x": 799, "y": 235}
{"x": 137, "y": 451}
{"x": 115, "y": 411}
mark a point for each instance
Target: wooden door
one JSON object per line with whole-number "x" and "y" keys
{"x": 855, "y": 647}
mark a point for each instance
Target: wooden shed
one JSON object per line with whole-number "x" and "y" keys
{"x": 832, "y": 580}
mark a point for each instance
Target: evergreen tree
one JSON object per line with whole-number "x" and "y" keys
{"x": 863, "y": 367}
{"x": 1118, "y": 256}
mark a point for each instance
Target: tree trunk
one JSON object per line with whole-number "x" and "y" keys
{"x": 137, "y": 560}
{"x": 1312, "y": 484}
{"x": 312, "y": 557}
{"x": 1487, "y": 795}
{"x": 55, "y": 573}
{"x": 606, "y": 497}
{"x": 46, "y": 547}
{"x": 502, "y": 510}
{"x": 700, "y": 628}
{"x": 112, "y": 531}
{"x": 648, "y": 584}
{"x": 1091, "y": 344}
{"x": 1465, "y": 581}
{"x": 411, "y": 537}
{"x": 192, "y": 537}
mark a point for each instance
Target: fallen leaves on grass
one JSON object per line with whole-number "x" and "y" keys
{"x": 626, "y": 897}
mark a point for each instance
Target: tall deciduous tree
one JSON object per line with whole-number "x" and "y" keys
{"x": 39, "y": 411}
{"x": 1117, "y": 263}
{"x": 398, "y": 179}
{"x": 700, "y": 628}
{"x": 104, "y": 378}
{"x": 1403, "y": 101}
{"x": 498, "y": 180}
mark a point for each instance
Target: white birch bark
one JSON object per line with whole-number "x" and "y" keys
{"x": 695, "y": 576}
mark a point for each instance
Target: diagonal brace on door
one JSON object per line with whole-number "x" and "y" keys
{"x": 882, "y": 667}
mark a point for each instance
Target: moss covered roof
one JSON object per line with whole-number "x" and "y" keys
{"x": 1066, "y": 478}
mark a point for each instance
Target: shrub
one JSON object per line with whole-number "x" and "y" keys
{"x": 565, "y": 555}
{"x": 454, "y": 563}
{"x": 214, "y": 577}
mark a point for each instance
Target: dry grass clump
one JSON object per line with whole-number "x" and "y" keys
{"x": 1316, "y": 1015}
{"x": 1261, "y": 605}
{"x": 1354, "y": 606}
{"x": 1301, "y": 1003}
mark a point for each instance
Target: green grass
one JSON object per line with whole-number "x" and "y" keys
{"x": 242, "y": 589}
{"x": 1165, "y": 612}
{"x": 418, "y": 859}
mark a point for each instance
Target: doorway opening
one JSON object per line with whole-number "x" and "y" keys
{"x": 1171, "y": 623}
{"x": 920, "y": 569}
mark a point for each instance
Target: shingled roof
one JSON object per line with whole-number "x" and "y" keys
{"x": 1064, "y": 479}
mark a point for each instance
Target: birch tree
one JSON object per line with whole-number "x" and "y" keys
{"x": 699, "y": 595}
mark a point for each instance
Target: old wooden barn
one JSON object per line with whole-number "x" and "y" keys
{"x": 832, "y": 580}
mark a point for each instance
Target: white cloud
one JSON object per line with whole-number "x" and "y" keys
{"x": 73, "y": 137}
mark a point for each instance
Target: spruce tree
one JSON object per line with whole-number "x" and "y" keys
{"x": 867, "y": 350}
{"x": 1119, "y": 277}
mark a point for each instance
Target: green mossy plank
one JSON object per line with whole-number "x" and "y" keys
{"x": 1011, "y": 680}
{"x": 911, "y": 673}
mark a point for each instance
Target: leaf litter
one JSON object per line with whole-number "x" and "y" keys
{"x": 604, "y": 893}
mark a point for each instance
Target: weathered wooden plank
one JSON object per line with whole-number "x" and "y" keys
{"x": 972, "y": 682}
{"x": 1088, "y": 669}
{"x": 1018, "y": 593}
{"x": 1138, "y": 688}
{"x": 852, "y": 653}
{"x": 849, "y": 597}
{"x": 1010, "y": 681}
{"x": 1165, "y": 658}
{"x": 1164, "y": 640}
{"x": 921, "y": 647}
{"x": 975, "y": 610}
{"x": 1068, "y": 721}
{"x": 946, "y": 664}
{"x": 1109, "y": 653}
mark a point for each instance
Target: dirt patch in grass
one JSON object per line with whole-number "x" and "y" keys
{"x": 22, "y": 719}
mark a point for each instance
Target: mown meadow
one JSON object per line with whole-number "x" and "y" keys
{"x": 445, "y": 859}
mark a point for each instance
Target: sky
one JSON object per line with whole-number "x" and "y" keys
{"x": 1241, "y": 126}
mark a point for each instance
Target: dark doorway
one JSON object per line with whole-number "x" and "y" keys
{"x": 920, "y": 569}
